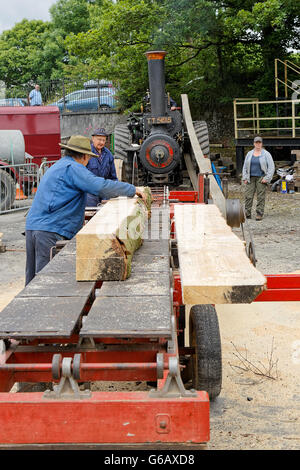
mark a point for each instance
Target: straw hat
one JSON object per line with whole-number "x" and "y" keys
{"x": 80, "y": 144}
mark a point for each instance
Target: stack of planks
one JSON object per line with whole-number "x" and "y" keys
{"x": 214, "y": 267}
{"x": 105, "y": 245}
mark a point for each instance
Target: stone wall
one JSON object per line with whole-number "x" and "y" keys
{"x": 85, "y": 123}
{"x": 220, "y": 123}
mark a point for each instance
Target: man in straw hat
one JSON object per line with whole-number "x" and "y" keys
{"x": 57, "y": 211}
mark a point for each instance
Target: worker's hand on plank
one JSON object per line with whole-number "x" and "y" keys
{"x": 142, "y": 195}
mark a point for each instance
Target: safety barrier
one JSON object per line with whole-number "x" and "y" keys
{"x": 266, "y": 118}
{"x": 18, "y": 185}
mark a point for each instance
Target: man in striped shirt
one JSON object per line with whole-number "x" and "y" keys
{"x": 35, "y": 97}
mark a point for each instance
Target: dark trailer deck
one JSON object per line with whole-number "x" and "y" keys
{"x": 65, "y": 333}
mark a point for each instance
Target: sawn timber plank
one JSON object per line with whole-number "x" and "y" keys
{"x": 204, "y": 164}
{"x": 214, "y": 266}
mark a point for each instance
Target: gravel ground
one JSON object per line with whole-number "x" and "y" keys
{"x": 253, "y": 411}
{"x": 277, "y": 236}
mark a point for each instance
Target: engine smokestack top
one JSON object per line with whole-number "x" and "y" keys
{"x": 156, "y": 55}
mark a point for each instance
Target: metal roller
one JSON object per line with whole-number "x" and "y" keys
{"x": 234, "y": 213}
{"x": 235, "y": 217}
{"x": 56, "y": 366}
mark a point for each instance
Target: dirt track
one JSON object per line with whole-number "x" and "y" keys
{"x": 252, "y": 411}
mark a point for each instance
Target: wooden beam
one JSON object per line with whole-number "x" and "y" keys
{"x": 105, "y": 245}
{"x": 191, "y": 171}
{"x": 214, "y": 267}
{"x": 119, "y": 168}
{"x": 204, "y": 164}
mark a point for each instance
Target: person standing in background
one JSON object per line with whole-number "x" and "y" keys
{"x": 258, "y": 170}
{"x": 35, "y": 97}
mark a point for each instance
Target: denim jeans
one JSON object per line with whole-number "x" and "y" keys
{"x": 38, "y": 246}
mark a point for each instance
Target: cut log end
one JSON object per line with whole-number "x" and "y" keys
{"x": 106, "y": 244}
{"x": 213, "y": 263}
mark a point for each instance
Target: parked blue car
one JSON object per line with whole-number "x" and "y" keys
{"x": 87, "y": 100}
{"x": 13, "y": 102}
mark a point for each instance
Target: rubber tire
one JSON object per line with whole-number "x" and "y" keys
{"x": 201, "y": 130}
{"x": 7, "y": 190}
{"x": 207, "y": 360}
{"x": 122, "y": 140}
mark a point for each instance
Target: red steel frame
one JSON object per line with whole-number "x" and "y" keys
{"x": 104, "y": 417}
{"x": 110, "y": 417}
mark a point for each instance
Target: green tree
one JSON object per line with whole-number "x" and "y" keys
{"x": 20, "y": 52}
{"x": 70, "y": 16}
{"x": 114, "y": 47}
{"x": 216, "y": 49}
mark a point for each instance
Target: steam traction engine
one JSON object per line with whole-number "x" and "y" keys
{"x": 154, "y": 142}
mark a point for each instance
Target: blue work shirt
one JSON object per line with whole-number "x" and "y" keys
{"x": 60, "y": 200}
{"x": 35, "y": 98}
{"x": 103, "y": 165}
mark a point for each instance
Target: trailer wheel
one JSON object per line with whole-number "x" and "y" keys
{"x": 201, "y": 130}
{"x": 207, "y": 359}
{"x": 7, "y": 190}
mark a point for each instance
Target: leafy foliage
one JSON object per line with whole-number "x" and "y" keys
{"x": 70, "y": 16}
{"x": 216, "y": 49}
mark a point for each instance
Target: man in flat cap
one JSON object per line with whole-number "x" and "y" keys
{"x": 57, "y": 211}
{"x": 102, "y": 164}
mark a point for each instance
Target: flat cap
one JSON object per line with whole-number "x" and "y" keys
{"x": 100, "y": 131}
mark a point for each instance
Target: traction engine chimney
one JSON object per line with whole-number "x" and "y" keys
{"x": 156, "y": 72}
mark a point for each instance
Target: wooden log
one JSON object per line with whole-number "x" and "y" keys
{"x": 214, "y": 267}
{"x": 105, "y": 245}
